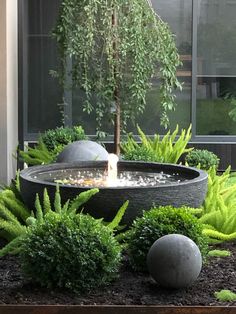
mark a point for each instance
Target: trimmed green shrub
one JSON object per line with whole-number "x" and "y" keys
{"x": 158, "y": 222}
{"x": 50, "y": 144}
{"x": 202, "y": 158}
{"x": 168, "y": 149}
{"x": 60, "y": 137}
{"x": 75, "y": 252}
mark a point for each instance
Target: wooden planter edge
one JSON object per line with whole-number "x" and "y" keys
{"x": 114, "y": 309}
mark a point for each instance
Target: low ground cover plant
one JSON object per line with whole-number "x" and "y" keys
{"x": 202, "y": 158}
{"x": 219, "y": 253}
{"x": 225, "y": 295}
{"x": 158, "y": 222}
{"x": 169, "y": 149}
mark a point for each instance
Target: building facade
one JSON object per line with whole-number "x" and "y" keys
{"x": 205, "y": 37}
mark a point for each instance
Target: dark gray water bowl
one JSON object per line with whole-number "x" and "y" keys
{"x": 190, "y": 191}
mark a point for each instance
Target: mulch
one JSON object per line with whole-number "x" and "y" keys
{"x": 131, "y": 288}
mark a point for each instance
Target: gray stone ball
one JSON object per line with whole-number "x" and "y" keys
{"x": 82, "y": 151}
{"x": 174, "y": 261}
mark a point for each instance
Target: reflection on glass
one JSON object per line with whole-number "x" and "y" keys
{"x": 43, "y": 92}
{"x": 216, "y": 66}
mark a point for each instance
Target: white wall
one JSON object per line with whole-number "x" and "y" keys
{"x": 8, "y": 89}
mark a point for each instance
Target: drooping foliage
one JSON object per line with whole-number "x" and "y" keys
{"x": 169, "y": 149}
{"x": 117, "y": 46}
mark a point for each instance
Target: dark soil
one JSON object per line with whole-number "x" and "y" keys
{"x": 130, "y": 288}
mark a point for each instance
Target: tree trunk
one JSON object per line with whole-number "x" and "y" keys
{"x": 116, "y": 93}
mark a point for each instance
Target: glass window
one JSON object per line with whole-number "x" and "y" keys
{"x": 216, "y": 67}
{"x": 41, "y": 92}
{"x": 178, "y": 14}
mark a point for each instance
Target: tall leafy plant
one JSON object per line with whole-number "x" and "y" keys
{"x": 116, "y": 46}
{"x": 167, "y": 149}
{"x": 219, "y": 208}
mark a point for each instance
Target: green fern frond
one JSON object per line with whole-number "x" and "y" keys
{"x": 7, "y": 214}
{"x": 117, "y": 219}
{"x": 169, "y": 149}
{"x": 39, "y": 211}
{"x": 81, "y": 199}
{"x": 17, "y": 208}
{"x": 219, "y": 235}
{"x": 46, "y": 202}
{"x": 65, "y": 207}
{"x": 11, "y": 248}
{"x": 143, "y": 138}
{"x": 13, "y": 230}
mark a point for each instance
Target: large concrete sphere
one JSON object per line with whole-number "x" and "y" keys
{"x": 82, "y": 151}
{"x": 174, "y": 261}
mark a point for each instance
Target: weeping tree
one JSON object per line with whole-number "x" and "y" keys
{"x": 117, "y": 46}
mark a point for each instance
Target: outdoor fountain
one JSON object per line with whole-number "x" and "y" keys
{"x": 143, "y": 184}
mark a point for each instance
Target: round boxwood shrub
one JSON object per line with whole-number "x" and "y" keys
{"x": 159, "y": 222}
{"x": 74, "y": 252}
{"x": 56, "y": 139}
{"x": 202, "y": 157}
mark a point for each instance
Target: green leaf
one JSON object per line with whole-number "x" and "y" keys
{"x": 117, "y": 219}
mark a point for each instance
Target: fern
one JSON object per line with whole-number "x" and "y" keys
{"x": 117, "y": 219}
{"x": 169, "y": 149}
{"x": 11, "y": 201}
{"x": 46, "y": 202}
{"x": 39, "y": 210}
{"x": 37, "y": 155}
{"x": 81, "y": 199}
{"x": 14, "y": 231}
{"x": 13, "y": 247}
{"x": 219, "y": 235}
{"x": 6, "y": 214}
{"x": 219, "y": 208}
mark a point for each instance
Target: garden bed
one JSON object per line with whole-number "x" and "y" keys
{"x": 130, "y": 289}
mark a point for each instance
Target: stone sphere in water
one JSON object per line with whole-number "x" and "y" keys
{"x": 174, "y": 261}
{"x": 83, "y": 151}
